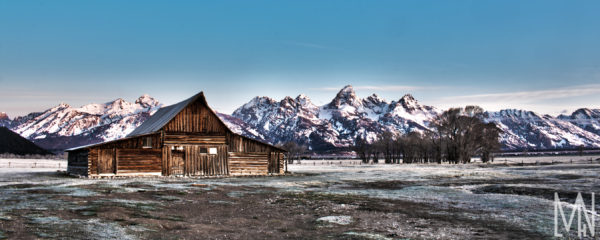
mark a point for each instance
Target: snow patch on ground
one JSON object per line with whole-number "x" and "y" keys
{"x": 342, "y": 220}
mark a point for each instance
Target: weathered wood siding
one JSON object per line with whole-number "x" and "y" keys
{"x": 78, "y": 162}
{"x": 247, "y": 163}
{"x": 93, "y": 162}
{"x": 194, "y": 139}
{"x": 195, "y": 118}
{"x": 205, "y": 164}
{"x": 132, "y": 143}
{"x": 138, "y": 160}
{"x": 104, "y": 158}
{"x": 276, "y": 162}
{"x": 239, "y": 143}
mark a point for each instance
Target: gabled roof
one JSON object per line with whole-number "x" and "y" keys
{"x": 164, "y": 115}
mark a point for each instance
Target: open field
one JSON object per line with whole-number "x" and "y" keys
{"x": 487, "y": 201}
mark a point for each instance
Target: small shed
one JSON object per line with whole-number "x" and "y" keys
{"x": 184, "y": 139}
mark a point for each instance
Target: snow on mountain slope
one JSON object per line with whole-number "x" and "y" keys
{"x": 340, "y": 122}
{"x": 528, "y": 129}
{"x": 336, "y": 124}
{"x": 588, "y": 119}
{"x": 94, "y": 122}
{"x": 238, "y": 126}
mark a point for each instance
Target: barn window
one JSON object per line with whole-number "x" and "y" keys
{"x": 177, "y": 148}
{"x": 202, "y": 150}
{"x": 147, "y": 142}
{"x": 212, "y": 151}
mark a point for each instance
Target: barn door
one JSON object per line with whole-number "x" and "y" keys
{"x": 177, "y": 158}
{"x": 106, "y": 161}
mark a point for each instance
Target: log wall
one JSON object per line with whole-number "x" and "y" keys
{"x": 248, "y": 163}
{"x": 131, "y": 143}
{"x": 239, "y": 143}
{"x": 194, "y": 139}
{"x": 138, "y": 160}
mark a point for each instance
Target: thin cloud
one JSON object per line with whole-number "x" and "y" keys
{"x": 530, "y": 96}
{"x": 391, "y": 88}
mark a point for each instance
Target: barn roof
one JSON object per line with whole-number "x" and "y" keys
{"x": 165, "y": 115}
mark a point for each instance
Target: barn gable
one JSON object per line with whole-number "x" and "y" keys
{"x": 196, "y": 117}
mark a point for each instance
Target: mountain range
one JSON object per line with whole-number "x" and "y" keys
{"x": 329, "y": 127}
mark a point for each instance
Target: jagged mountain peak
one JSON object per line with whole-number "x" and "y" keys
{"x": 346, "y": 96}
{"x": 5, "y": 120}
{"x": 347, "y": 89}
{"x": 118, "y": 103}
{"x": 409, "y": 102}
{"x": 259, "y": 101}
{"x": 146, "y": 101}
{"x": 374, "y": 98}
{"x": 408, "y": 98}
{"x": 90, "y": 123}
{"x": 586, "y": 113}
{"x": 302, "y": 96}
{"x": 63, "y": 105}
{"x": 519, "y": 113}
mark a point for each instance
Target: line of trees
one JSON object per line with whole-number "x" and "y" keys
{"x": 455, "y": 136}
{"x": 294, "y": 149}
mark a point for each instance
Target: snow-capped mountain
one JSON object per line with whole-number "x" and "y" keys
{"x": 528, "y": 129}
{"x": 4, "y": 120}
{"x": 588, "y": 119}
{"x": 336, "y": 124}
{"x": 65, "y": 126}
{"x": 238, "y": 126}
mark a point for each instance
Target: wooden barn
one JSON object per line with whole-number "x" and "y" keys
{"x": 184, "y": 139}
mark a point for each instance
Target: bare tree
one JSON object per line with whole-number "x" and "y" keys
{"x": 456, "y": 135}
{"x": 361, "y": 148}
{"x": 294, "y": 150}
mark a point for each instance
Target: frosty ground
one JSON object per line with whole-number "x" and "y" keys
{"x": 326, "y": 201}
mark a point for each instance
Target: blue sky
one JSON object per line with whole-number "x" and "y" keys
{"x": 537, "y": 55}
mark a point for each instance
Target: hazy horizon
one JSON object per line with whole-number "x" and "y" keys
{"x": 540, "y": 56}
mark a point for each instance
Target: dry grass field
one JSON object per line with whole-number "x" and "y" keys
{"x": 327, "y": 201}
